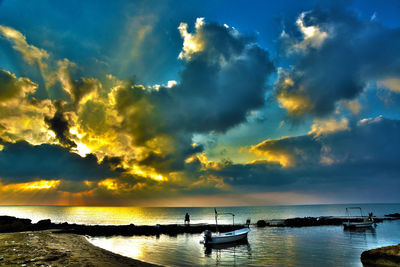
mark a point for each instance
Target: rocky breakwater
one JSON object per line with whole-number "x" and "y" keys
{"x": 384, "y": 256}
{"x": 313, "y": 221}
{"x": 12, "y": 224}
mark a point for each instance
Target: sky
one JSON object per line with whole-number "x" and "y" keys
{"x": 199, "y": 103}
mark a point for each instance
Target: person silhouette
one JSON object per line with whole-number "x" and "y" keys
{"x": 187, "y": 218}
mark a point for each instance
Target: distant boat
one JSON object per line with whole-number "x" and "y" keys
{"x": 228, "y": 237}
{"x": 367, "y": 221}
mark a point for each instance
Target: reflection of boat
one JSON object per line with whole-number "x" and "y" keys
{"x": 364, "y": 222}
{"x": 219, "y": 238}
{"x": 242, "y": 245}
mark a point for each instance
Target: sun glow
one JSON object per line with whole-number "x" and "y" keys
{"x": 82, "y": 149}
{"x": 110, "y": 184}
{"x": 148, "y": 173}
{"x": 39, "y": 185}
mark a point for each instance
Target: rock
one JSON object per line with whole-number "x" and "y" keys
{"x": 384, "y": 256}
{"x": 261, "y": 223}
{"x": 395, "y": 215}
{"x": 44, "y": 223}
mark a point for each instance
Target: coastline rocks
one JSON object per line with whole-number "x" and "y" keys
{"x": 261, "y": 223}
{"x": 12, "y": 224}
{"x": 44, "y": 223}
{"x": 384, "y": 256}
{"x": 394, "y": 215}
{"x": 312, "y": 221}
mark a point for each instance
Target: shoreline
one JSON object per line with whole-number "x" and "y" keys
{"x": 10, "y": 224}
{"x": 57, "y": 249}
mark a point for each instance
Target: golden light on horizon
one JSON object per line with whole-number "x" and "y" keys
{"x": 31, "y": 186}
{"x": 148, "y": 173}
{"x": 43, "y": 184}
{"x": 109, "y": 184}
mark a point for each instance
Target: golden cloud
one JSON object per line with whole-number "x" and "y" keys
{"x": 273, "y": 152}
{"x": 392, "y": 84}
{"x": 13, "y": 88}
{"x": 313, "y": 36}
{"x": 30, "y": 53}
{"x": 327, "y": 126}
{"x": 290, "y": 98}
{"x": 192, "y": 43}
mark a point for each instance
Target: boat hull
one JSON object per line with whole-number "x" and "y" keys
{"x": 357, "y": 224}
{"x": 229, "y": 237}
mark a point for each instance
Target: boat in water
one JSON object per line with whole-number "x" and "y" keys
{"x": 366, "y": 221}
{"x": 227, "y": 237}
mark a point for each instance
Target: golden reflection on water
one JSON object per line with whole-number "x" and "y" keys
{"x": 83, "y": 215}
{"x": 115, "y": 215}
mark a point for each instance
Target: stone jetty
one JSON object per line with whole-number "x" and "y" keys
{"x": 315, "y": 221}
{"x": 12, "y": 224}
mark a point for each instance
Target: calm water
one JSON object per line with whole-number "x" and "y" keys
{"x": 307, "y": 246}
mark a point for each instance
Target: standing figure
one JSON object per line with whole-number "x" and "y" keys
{"x": 187, "y": 219}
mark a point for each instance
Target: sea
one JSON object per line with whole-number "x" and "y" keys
{"x": 269, "y": 246}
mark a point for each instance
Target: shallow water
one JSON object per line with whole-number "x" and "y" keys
{"x": 307, "y": 246}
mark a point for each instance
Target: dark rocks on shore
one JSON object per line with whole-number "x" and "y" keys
{"x": 261, "y": 223}
{"x": 394, "y": 215}
{"x": 311, "y": 221}
{"x": 384, "y": 256}
{"x": 12, "y": 224}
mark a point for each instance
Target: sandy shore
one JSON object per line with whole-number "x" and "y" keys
{"x": 44, "y": 248}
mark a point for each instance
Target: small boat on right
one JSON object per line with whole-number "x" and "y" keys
{"x": 365, "y": 221}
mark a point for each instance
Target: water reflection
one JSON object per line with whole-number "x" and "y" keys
{"x": 360, "y": 233}
{"x": 233, "y": 252}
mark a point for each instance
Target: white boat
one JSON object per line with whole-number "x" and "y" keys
{"x": 228, "y": 237}
{"x": 365, "y": 221}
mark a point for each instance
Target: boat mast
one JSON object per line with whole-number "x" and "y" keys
{"x": 216, "y": 219}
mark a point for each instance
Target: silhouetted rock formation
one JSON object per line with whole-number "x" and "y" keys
{"x": 394, "y": 215}
{"x": 384, "y": 256}
{"x": 312, "y": 221}
{"x": 12, "y": 224}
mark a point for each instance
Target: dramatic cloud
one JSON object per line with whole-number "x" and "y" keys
{"x": 334, "y": 58}
{"x": 12, "y": 88}
{"x": 60, "y": 126}
{"x": 128, "y": 116}
{"x": 21, "y": 162}
{"x": 366, "y": 152}
{"x": 224, "y": 78}
{"x": 31, "y": 54}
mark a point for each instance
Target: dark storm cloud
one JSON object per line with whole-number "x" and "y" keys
{"x": 337, "y": 66}
{"x": 367, "y": 153}
{"x": 21, "y": 162}
{"x": 220, "y": 84}
{"x": 60, "y": 126}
